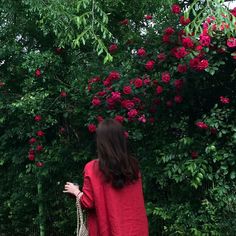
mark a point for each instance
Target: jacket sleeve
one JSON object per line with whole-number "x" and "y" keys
{"x": 87, "y": 199}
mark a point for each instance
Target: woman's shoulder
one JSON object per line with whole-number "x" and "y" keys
{"x": 91, "y": 165}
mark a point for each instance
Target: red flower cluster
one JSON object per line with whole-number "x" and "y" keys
{"x": 114, "y": 75}
{"x": 141, "y": 52}
{"x": 182, "y": 68}
{"x": 198, "y": 64}
{"x": 113, "y": 48}
{"x": 92, "y": 128}
{"x": 231, "y": 42}
{"x": 127, "y": 90}
{"x": 187, "y": 42}
{"x": 63, "y": 94}
{"x": 34, "y": 142}
{"x": 37, "y": 72}
{"x": 179, "y": 52}
{"x": 205, "y": 40}
{"x": 38, "y": 118}
{"x": 175, "y": 8}
{"x": 150, "y": 65}
{"x": 96, "y": 101}
{"x": 148, "y": 17}
{"x": 201, "y": 125}
{"x": 165, "y": 77}
{"x": 184, "y": 21}
{"x": 224, "y": 100}
{"x": 124, "y": 22}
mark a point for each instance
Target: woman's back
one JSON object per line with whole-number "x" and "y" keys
{"x": 113, "y": 211}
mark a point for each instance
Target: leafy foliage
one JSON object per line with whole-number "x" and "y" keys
{"x": 181, "y": 127}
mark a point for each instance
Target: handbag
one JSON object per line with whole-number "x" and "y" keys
{"x": 81, "y": 220}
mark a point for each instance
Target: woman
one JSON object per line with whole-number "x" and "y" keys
{"x": 112, "y": 189}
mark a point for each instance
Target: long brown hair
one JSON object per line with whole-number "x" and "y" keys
{"x": 115, "y": 162}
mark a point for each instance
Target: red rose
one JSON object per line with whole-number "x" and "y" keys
{"x": 94, "y": 80}
{"x": 124, "y": 22}
{"x": 205, "y": 40}
{"x": 39, "y": 148}
{"x": 165, "y": 77}
{"x": 178, "y": 99}
{"x": 99, "y": 119}
{"x": 178, "y": 83}
{"x": 179, "y": 52}
{"x": 40, "y": 133}
{"x": 38, "y": 72}
{"x": 92, "y": 128}
{"x": 110, "y": 101}
{"x": 182, "y": 68}
{"x": 199, "y": 48}
{"x": 32, "y": 140}
{"x": 127, "y": 90}
{"x": 202, "y": 65}
{"x": 169, "y": 31}
{"x": 193, "y": 63}
{"x": 224, "y": 100}
{"x": 114, "y": 75}
{"x": 96, "y": 101}
{"x": 138, "y": 83}
{"x": 161, "y": 57}
{"x": 127, "y": 104}
{"x": 107, "y": 82}
{"x": 148, "y": 17}
{"x": 39, "y": 164}
{"x": 150, "y": 65}
{"x": 2, "y": 84}
{"x": 31, "y": 157}
{"x": 187, "y": 42}
{"x": 31, "y": 151}
{"x": 141, "y": 52}
{"x": 233, "y": 12}
{"x": 231, "y": 42}
{"x": 147, "y": 81}
{"x": 119, "y": 118}
{"x": 132, "y": 113}
{"x": 166, "y": 38}
{"x": 37, "y": 118}
{"x": 142, "y": 119}
{"x": 116, "y": 96}
{"x": 63, "y": 94}
{"x": 184, "y": 21}
{"x": 101, "y": 93}
{"x": 175, "y": 8}
{"x": 194, "y": 154}
{"x": 201, "y": 125}
{"x": 159, "y": 89}
{"x": 113, "y": 48}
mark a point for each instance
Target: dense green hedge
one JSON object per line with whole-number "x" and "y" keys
{"x": 173, "y": 91}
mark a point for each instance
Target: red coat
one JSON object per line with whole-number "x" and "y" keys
{"x": 113, "y": 212}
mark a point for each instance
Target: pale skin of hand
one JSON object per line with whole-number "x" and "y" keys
{"x": 71, "y": 188}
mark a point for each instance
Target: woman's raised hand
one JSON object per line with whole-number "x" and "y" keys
{"x": 71, "y": 188}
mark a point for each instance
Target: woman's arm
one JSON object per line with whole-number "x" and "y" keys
{"x": 87, "y": 199}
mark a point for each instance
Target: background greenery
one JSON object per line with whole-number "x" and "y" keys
{"x": 188, "y": 172}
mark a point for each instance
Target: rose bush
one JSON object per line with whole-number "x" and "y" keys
{"x": 172, "y": 89}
